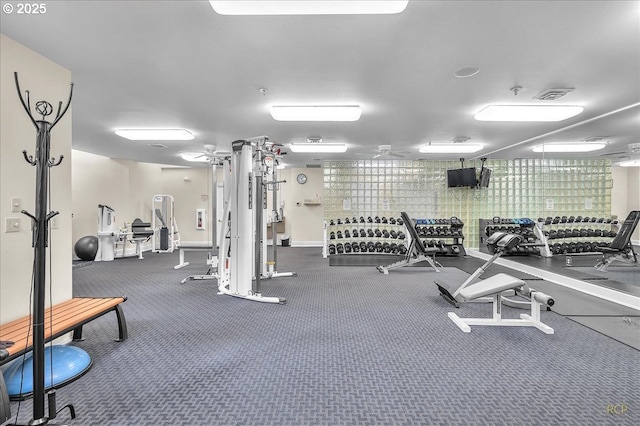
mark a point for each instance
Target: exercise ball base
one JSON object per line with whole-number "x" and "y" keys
{"x": 69, "y": 364}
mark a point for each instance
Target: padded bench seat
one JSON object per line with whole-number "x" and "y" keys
{"x": 60, "y": 319}
{"x": 492, "y": 285}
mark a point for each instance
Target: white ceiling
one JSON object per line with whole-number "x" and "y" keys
{"x": 179, "y": 64}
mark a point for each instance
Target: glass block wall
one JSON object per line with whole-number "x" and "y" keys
{"x": 518, "y": 188}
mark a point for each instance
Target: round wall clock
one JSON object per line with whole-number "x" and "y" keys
{"x": 302, "y": 178}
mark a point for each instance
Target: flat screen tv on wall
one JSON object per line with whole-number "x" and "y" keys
{"x": 485, "y": 176}
{"x": 462, "y": 177}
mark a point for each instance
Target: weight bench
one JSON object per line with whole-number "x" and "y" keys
{"x": 416, "y": 252}
{"x": 620, "y": 249}
{"x": 16, "y": 337}
{"x": 498, "y": 244}
{"x": 494, "y": 287}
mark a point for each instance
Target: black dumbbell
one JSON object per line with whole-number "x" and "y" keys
{"x": 339, "y": 234}
{"x": 347, "y": 248}
{"x": 400, "y": 221}
{"x": 332, "y": 249}
{"x": 347, "y": 234}
{"x": 378, "y": 233}
{"x": 392, "y": 221}
{"x": 355, "y": 247}
{"x": 347, "y": 221}
{"x": 332, "y": 235}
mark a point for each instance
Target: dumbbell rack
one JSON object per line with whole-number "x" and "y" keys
{"x": 571, "y": 235}
{"x": 532, "y": 241}
{"x": 359, "y": 236}
{"x": 445, "y": 234}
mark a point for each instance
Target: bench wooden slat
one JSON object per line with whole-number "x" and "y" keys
{"x": 62, "y": 318}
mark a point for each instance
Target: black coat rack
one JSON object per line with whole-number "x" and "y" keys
{"x": 40, "y": 224}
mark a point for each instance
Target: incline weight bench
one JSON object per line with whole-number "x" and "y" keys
{"x": 494, "y": 287}
{"x": 498, "y": 244}
{"x": 620, "y": 249}
{"x": 416, "y": 252}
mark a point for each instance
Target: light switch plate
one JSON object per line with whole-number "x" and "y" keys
{"x": 16, "y": 204}
{"x": 12, "y": 224}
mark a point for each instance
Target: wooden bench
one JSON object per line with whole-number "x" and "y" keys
{"x": 16, "y": 337}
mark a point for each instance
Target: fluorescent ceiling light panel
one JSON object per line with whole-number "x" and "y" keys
{"x": 316, "y": 113}
{"x": 450, "y": 148}
{"x": 570, "y": 147}
{"x": 630, "y": 163}
{"x": 196, "y": 157}
{"x": 306, "y": 147}
{"x": 155, "y": 134}
{"x": 308, "y": 7}
{"x": 527, "y": 112}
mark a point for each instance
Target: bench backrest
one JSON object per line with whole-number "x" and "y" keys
{"x": 411, "y": 229}
{"x": 622, "y": 239}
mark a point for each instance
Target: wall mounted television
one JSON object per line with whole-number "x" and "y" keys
{"x": 485, "y": 176}
{"x": 462, "y": 177}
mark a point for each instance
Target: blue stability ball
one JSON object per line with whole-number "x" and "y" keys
{"x": 86, "y": 248}
{"x": 69, "y": 363}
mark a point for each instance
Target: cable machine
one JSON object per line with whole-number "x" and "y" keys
{"x": 241, "y": 264}
{"x": 271, "y": 162}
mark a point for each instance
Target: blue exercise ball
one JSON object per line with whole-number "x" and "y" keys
{"x": 62, "y": 364}
{"x": 86, "y": 248}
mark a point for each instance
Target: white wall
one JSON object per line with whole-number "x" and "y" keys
{"x": 48, "y": 81}
{"x": 126, "y": 186}
{"x": 625, "y": 195}
{"x": 304, "y": 221}
{"x": 190, "y": 189}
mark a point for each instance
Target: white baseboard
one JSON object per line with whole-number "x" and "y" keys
{"x": 306, "y": 244}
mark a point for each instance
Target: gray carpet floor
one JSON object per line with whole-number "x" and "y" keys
{"x": 352, "y": 346}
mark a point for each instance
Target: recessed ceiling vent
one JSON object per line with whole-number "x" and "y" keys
{"x": 158, "y": 145}
{"x": 314, "y": 166}
{"x": 460, "y": 139}
{"x": 634, "y": 148}
{"x": 552, "y": 94}
{"x": 596, "y": 139}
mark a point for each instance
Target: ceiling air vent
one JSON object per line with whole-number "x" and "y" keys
{"x": 460, "y": 139}
{"x": 314, "y": 166}
{"x": 158, "y": 145}
{"x": 552, "y": 94}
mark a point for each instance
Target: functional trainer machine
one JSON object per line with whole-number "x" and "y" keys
{"x": 416, "y": 252}
{"x": 215, "y": 160}
{"x": 240, "y": 267}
